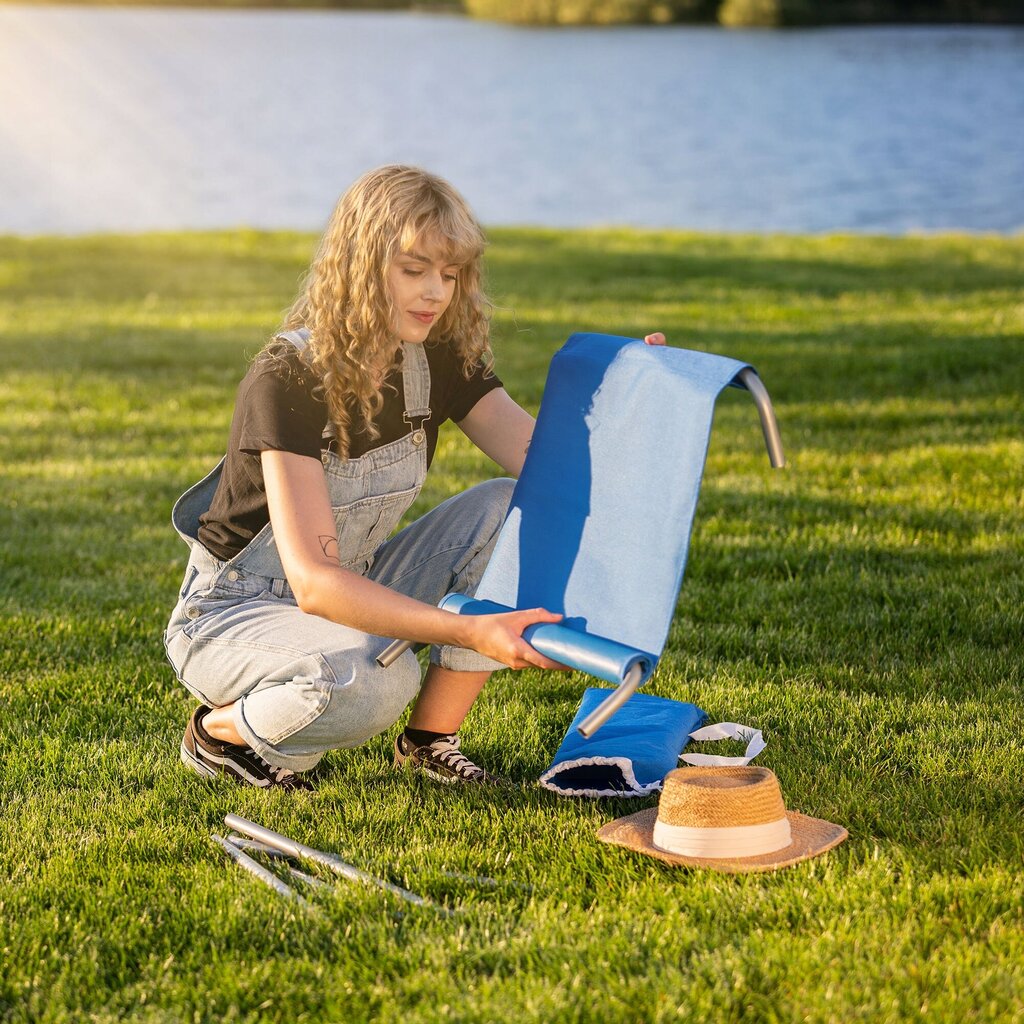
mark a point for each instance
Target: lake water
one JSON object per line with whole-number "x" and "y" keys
{"x": 114, "y": 119}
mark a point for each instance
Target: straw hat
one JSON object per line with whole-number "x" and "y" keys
{"x": 730, "y": 819}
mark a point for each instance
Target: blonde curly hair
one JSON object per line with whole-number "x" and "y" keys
{"x": 345, "y": 301}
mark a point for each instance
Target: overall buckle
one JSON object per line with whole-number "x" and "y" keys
{"x": 415, "y": 421}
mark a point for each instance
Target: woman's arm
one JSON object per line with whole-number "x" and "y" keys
{"x": 501, "y": 429}
{"x": 307, "y": 541}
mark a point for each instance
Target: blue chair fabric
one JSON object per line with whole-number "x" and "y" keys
{"x": 632, "y": 753}
{"x": 600, "y": 519}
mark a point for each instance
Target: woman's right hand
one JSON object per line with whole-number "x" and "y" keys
{"x": 501, "y": 637}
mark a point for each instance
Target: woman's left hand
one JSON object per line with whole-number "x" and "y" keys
{"x": 657, "y": 338}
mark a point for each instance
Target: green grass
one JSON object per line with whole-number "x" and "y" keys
{"x": 864, "y": 607}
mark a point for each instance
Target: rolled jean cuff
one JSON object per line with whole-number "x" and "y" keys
{"x": 460, "y": 659}
{"x": 294, "y": 762}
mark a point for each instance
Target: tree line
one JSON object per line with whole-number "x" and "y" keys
{"x": 732, "y": 13}
{"x": 747, "y": 13}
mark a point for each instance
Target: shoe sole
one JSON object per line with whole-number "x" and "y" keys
{"x": 195, "y": 764}
{"x": 242, "y": 777}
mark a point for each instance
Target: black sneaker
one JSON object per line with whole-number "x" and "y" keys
{"x": 441, "y": 760}
{"x": 212, "y": 757}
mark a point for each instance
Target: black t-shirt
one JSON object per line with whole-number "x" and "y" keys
{"x": 276, "y": 409}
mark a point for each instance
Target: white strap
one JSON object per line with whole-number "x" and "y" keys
{"x": 726, "y": 731}
{"x": 737, "y": 841}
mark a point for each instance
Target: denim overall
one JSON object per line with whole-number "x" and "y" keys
{"x": 302, "y": 684}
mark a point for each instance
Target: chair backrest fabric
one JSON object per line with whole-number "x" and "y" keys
{"x": 600, "y": 519}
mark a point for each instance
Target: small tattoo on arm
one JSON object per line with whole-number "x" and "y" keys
{"x": 329, "y": 546}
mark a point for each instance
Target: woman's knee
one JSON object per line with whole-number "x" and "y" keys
{"x": 493, "y": 498}
{"x": 366, "y": 701}
{"x": 499, "y": 494}
{"x": 491, "y": 507}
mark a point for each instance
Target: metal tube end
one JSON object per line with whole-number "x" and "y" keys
{"x": 393, "y": 652}
{"x": 611, "y": 703}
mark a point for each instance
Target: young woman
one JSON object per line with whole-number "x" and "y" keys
{"x": 293, "y": 586}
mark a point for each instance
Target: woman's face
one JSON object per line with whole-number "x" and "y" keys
{"x": 422, "y": 282}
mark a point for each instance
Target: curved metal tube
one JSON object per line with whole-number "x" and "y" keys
{"x": 769, "y": 424}
{"x": 611, "y": 703}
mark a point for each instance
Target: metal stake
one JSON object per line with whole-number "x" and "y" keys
{"x": 327, "y": 860}
{"x": 246, "y": 862}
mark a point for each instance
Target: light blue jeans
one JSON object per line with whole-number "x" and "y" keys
{"x": 302, "y": 684}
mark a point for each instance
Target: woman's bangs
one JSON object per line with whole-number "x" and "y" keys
{"x": 458, "y": 238}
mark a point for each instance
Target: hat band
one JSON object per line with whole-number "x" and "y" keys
{"x": 734, "y": 841}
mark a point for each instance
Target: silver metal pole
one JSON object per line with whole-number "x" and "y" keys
{"x": 268, "y": 851}
{"x": 769, "y": 425}
{"x": 311, "y": 880}
{"x": 246, "y": 862}
{"x": 327, "y": 860}
{"x": 251, "y": 846}
{"x": 611, "y": 703}
{"x": 393, "y": 652}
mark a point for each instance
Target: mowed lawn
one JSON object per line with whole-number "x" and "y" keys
{"x": 864, "y": 608}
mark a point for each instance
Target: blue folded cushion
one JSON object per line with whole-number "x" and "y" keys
{"x": 630, "y": 755}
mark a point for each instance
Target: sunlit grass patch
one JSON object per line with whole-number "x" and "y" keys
{"x": 863, "y": 607}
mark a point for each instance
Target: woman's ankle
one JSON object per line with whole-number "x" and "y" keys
{"x": 220, "y": 724}
{"x": 422, "y": 737}
{"x": 444, "y": 699}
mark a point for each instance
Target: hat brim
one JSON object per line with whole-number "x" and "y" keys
{"x": 810, "y": 837}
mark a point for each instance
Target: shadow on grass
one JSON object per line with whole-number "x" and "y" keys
{"x": 763, "y": 586}
{"x": 694, "y": 266}
{"x": 228, "y": 265}
{"x": 785, "y": 527}
{"x": 177, "y": 378}
{"x": 854, "y": 361}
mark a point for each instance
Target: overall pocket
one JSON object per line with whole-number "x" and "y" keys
{"x": 365, "y": 524}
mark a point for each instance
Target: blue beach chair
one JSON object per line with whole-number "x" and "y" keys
{"x": 600, "y": 520}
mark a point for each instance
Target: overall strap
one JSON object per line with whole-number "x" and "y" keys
{"x": 415, "y": 382}
{"x": 416, "y": 388}
{"x": 300, "y": 339}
